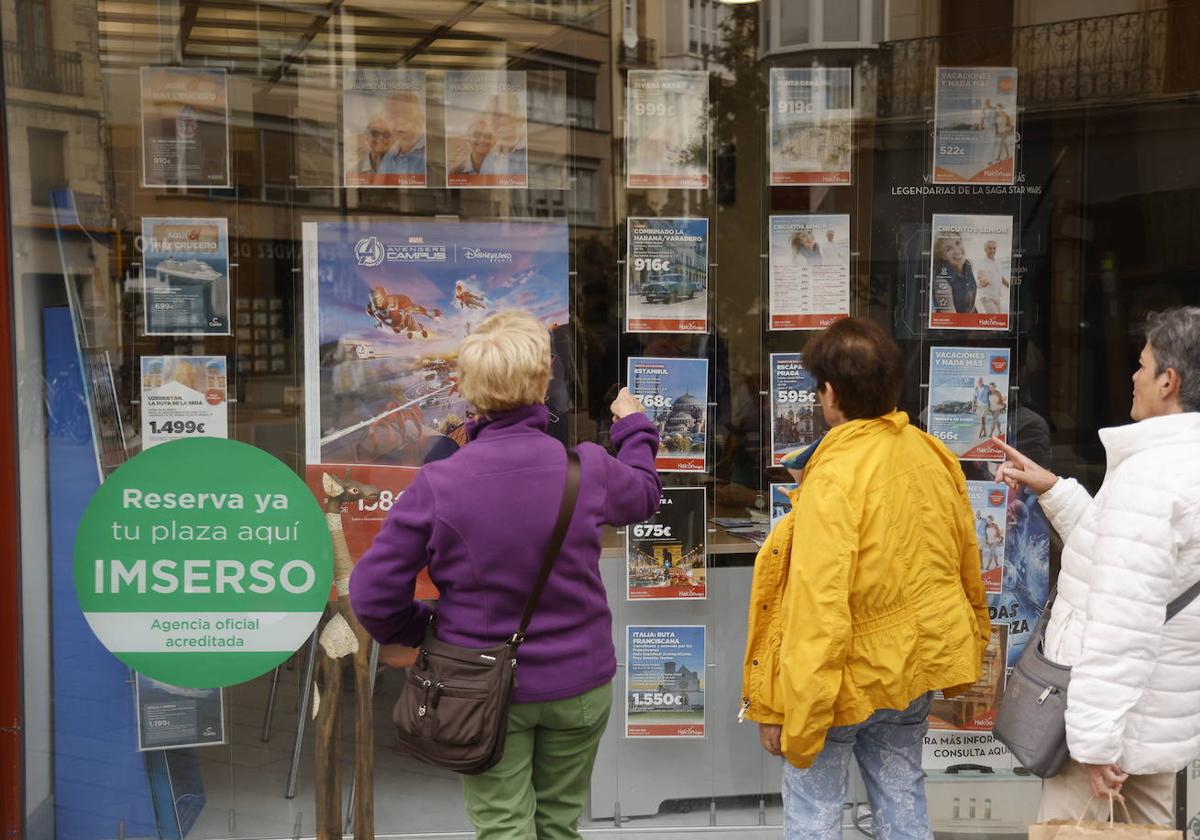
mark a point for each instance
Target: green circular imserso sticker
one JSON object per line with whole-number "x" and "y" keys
{"x": 203, "y": 562}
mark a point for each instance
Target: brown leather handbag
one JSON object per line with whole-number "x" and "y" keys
{"x": 453, "y": 706}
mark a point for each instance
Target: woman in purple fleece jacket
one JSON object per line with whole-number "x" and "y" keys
{"x": 480, "y": 521}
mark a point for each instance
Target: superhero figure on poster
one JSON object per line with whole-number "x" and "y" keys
{"x": 399, "y": 313}
{"x": 465, "y": 298}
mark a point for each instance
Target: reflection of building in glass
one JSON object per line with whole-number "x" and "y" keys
{"x": 796, "y": 425}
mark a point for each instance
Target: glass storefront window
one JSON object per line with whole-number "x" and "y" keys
{"x": 263, "y": 204}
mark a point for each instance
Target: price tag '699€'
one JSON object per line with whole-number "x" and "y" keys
{"x": 203, "y": 562}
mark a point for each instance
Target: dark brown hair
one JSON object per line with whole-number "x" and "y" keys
{"x": 861, "y": 362}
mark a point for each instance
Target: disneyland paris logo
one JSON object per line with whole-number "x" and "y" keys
{"x": 488, "y": 256}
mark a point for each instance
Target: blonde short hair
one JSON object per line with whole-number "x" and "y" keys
{"x": 505, "y": 363}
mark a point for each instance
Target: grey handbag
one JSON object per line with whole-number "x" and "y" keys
{"x": 1031, "y": 717}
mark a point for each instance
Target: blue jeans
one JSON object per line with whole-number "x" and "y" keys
{"x": 888, "y": 748}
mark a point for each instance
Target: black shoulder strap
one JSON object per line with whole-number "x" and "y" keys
{"x": 565, "y": 510}
{"x": 1179, "y": 604}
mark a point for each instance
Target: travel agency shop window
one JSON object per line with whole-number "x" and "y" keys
{"x": 222, "y": 217}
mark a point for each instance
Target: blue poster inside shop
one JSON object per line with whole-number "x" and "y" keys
{"x": 107, "y": 788}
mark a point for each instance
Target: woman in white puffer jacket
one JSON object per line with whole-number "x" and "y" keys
{"x": 1133, "y": 705}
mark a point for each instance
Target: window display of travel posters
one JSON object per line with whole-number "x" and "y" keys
{"x": 170, "y": 717}
{"x": 366, "y": 493}
{"x": 968, "y": 400}
{"x": 975, "y": 125}
{"x": 667, "y": 554}
{"x": 487, "y": 129}
{"x": 960, "y": 727}
{"x": 781, "y": 500}
{"x": 185, "y": 127}
{"x": 666, "y": 129}
{"x": 989, "y": 503}
{"x": 810, "y": 125}
{"x": 386, "y": 307}
{"x": 664, "y": 681}
{"x": 809, "y": 271}
{"x": 666, "y": 270}
{"x": 796, "y": 416}
{"x": 185, "y": 276}
{"x": 675, "y": 394}
{"x": 970, "y": 272}
{"x": 183, "y": 397}
{"x": 383, "y": 127}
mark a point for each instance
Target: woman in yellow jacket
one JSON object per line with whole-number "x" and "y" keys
{"x": 866, "y": 599}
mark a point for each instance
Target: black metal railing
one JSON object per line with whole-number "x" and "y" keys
{"x": 1075, "y": 61}
{"x": 51, "y": 71}
{"x": 642, "y": 54}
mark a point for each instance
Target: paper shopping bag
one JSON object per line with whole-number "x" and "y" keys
{"x": 1094, "y": 830}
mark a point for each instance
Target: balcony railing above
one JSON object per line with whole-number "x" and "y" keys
{"x": 642, "y": 54}
{"x": 50, "y": 71}
{"x": 1076, "y": 61}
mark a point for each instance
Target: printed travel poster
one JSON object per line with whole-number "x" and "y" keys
{"x": 666, "y": 555}
{"x": 185, "y": 127}
{"x": 975, "y": 125}
{"x": 989, "y": 503}
{"x": 365, "y": 495}
{"x": 968, "y": 400}
{"x": 664, "y": 681}
{"x": 666, "y": 266}
{"x": 383, "y": 127}
{"x": 809, "y": 271}
{"x": 170, "y": 717}
{"x": 487, "y": 130}
{"x": 183, "y": 397}
{"x": 781, "y": 500}
{"x": 970, "y": 272}
{"x": 1026, "y": 570}
{"x": 387, "y": 305}
{"x": 675, "y": 393}
{"x": 185, "y": 276}
{"x": 810, "y": 125}
{"x": 960, "y": 727}
{"x": 666, "y": 126}
{"x": 796, "y": 416}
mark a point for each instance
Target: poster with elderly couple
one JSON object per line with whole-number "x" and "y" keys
{"x": 666, "y": 555}
{"x": 809, "y": 271}
{"x": 666, "y": 126}
{"x": 975, "y": 125}
{"x": 383, "y": 128}
{"x": 664, "y": 681}
{"x": 810, "y": 125}
{"x": 968, "y": 400}
{"x": 487, "y": 129}
{"x": 970, "y": 273}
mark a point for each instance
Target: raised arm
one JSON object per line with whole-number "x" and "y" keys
{"x": 631, "y": 482}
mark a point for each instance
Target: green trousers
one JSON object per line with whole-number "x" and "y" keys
{"x": 538, "y": 789}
